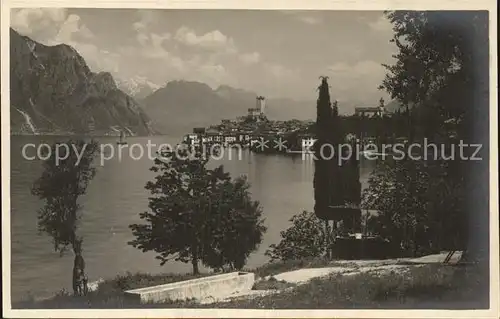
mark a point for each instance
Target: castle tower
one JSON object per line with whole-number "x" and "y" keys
{"x": 261, "y": 104}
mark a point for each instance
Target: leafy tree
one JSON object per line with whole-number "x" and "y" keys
{"x": 239, "y": 229}
{"x": 401, "y": 203}
{"x": 441, "y": 63}
{"x": 62, "y": 182}
{"x": 197, "y": 214}
{"x": 441, "y": 76}
{"x": 304, "y": 239}
{"x": 418, "y": 208}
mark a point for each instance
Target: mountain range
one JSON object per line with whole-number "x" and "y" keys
{"x": 181, "y": 105}
{"x": 53, "y": 91}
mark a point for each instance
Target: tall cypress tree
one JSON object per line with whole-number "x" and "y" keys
{"x": 321, "y": 171}
{"x": 328, "y": 184}
{"x": 337, "y": 179}
{"x": 335, "y": 183}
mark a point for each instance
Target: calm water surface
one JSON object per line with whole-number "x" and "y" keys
{"x": 114, "y": 199}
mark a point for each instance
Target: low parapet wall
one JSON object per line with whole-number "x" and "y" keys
{"x": 216, "y": 287}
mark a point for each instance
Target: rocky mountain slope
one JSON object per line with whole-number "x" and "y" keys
{"x": 53, "y": 91}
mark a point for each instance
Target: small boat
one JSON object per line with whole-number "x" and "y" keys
{"x": 122, "y": 139}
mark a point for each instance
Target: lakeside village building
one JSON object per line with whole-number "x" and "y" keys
{"x": 202, "y": 136}
{"x": 378, "y": 111}
{"x": 246, "y": 138}
{"x": 210, "y": 136}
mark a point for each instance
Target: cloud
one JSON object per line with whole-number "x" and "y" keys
{"x": 311, "y": 18}
{"x": 152, "y": 40}
{"x": 53, "y": 26}
{"x": 280, "y": 72}
{"x": 97, "y": 59}
{"x": 137, "y": 26}
{"x": 350, "y": 78}
{"x": 147, "y": 38}
{"x": 149, "y": 17}
{"x": 215, "y": 74}
{"x": 209, "y": 65}
{"x": 151, "y": 48}
{"x": 151, "y": 44}
{"x": 72, "y": 29}
{"x": 157, "y": 39}
{"x": 29, "y": 20}
{"x": 358, "y": 69}
{"x": 163, "y": 47}
{"x": 214, "y": 40}
{"x": 212, "y": 57}
{"x": 142, "y": 39}
{"x": 155, "y": 52}
{"x": 250, "y": 58}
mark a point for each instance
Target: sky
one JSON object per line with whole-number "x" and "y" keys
{"x": 273, "y": 53}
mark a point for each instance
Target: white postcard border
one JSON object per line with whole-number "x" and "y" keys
{"x": 265, "y": 5}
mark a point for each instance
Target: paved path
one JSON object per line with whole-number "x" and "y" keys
{"x": 304, "y": 275}
{"x": 437, "y": 258}
{"x": 346, "y": 268}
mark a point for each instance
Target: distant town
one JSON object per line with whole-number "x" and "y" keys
{"x": 253, "y": 127}
{"x": 296, "y": 136}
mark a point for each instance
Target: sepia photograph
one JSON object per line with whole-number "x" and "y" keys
{"x": 232, "y": 160}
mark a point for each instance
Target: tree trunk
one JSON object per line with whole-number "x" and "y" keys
{"x": 327, "y": 240}
{"x": 415, "y": 242}
{"x": 78, "y": 268}
{"x": 78, "y": 265}
{"x": 78, "y": 275}
{"x": 194, "y": 258}
{"x": 194, "y": 262}
{"x": 75, "y": 279}
{"x": 333, "y": 234}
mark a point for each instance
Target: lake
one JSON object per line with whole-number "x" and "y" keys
{"x": 115, "y": 197}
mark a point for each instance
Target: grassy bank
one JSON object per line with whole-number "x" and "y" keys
{"x": 289, "y": 265}
{"x": 109, "y": 293}
{"x": 429, "y": 286}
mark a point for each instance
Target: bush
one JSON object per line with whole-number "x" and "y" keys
{"x": 304, "y": 239}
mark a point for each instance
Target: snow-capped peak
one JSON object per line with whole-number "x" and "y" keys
{"x": 138, "y": 87}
